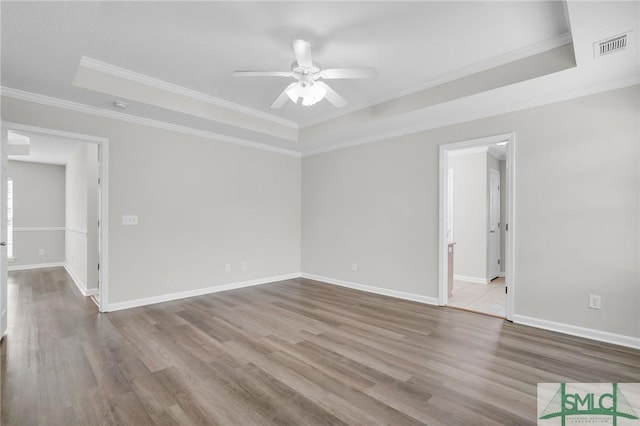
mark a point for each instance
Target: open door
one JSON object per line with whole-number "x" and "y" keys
{"x": 3, "y": 231}
{"x": 494, "y": 224}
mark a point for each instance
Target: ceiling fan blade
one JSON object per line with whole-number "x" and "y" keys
{"x": 363, "y": 72}
{"x": 282, "y": 99}
{"x": 263, "y": 74}
{"x": 332, "y": 96}
{"x": 302, "y": 50}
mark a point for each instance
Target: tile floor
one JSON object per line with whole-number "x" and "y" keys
{"x": 487, "y": 298}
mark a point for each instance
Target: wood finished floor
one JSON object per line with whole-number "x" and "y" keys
{"x": 296, "y": 352}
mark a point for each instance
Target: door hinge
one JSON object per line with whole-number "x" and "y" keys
{"x": 506, "y": 290}
{"x": 498, "y": 261}
{"x": 98, "y": 181}
{"x": 98, "y": 266}
{"x": 506, "y": 227}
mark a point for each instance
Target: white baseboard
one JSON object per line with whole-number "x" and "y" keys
{"x": 35, "y": 266}
{"x": 471, "y": 279}
{"x": 78, "y": 282}
{"x": 602, "y": 336}
{"x": 377, "y": 290}
{"x": 198, "y": 292}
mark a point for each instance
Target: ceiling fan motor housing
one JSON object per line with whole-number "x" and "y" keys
{"x": 306, "y": 74}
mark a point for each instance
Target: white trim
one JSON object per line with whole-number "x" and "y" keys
{"x": 174, "y": 88}
{"x": 443, "y": 239}
{"x": 103, "y": 229}
{"x": 525, "y": 52}
{"x": 39, "y": 228}
{"x": 25, "y": 128}
{"x": 510, "y": 228}
{"x": 401, "y": 131}
{"x": 428, "y": 125}
{"x": 573, "y": 330}
{"x": 77, "y": 231}
{"x": 35, "y": 266}
{"x": 3, "y": 332}
{"x": 376, "y": 290}
{"x": 501, "y": 274}
{"x": 81, "y": 286}
{"x": 198, "y": 292}
{"x": 101, "y": 112}
{"x": 467, "y": 279}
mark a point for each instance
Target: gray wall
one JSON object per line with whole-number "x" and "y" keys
{"x": 576, "y": 229}
{"x": 38, "y": 202}
{"x": 470, "y": 216}
{"x": 81, "y": 253}
{"x": 201, "y": 204}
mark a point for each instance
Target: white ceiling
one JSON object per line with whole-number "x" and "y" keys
{"x": 414, "y": 45}
{"x": 47, "y": 150}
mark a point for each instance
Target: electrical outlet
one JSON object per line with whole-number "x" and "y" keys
{"x": 594, "y": 301}
{"x": 41, "y": 252}
{"x": 227, "y": 267}
{"x": 129, "y": 219}
{"x": 354, "y": 267}
{"x": 244, "y": 266}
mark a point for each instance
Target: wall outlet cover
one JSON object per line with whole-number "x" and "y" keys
{"x": 595, "y": 301}
{"x": 129, "y": 219}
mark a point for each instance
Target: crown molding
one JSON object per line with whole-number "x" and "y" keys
{"x": 403, "y": 131}
{"x": 74, "y": 106}
{"x": 101, "y": 112}
{"x": 193, "y": 94}
{"x": 515, "y": 55}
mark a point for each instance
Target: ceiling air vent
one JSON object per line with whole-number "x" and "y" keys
{"x": 610, "y": 45}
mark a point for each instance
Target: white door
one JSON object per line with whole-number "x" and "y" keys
{"x": 450, "y": 206}
{"x": 494, "y": 223}
{"x": 3, "y": 232}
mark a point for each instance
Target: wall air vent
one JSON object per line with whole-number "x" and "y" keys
{"x": 610, "y": 45}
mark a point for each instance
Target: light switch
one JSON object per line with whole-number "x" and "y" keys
{"x": 129, "y": 219}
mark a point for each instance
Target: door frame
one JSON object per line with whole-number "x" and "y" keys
{"x": 4, "y": 282}
{"x": 509, "y": 221}
{"x": 103, "y": 197}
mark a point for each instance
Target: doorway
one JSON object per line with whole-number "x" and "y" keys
{"x": 85, "y": 247}
{"x": 476, "y": 225}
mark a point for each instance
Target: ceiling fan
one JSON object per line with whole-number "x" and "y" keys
{"x": 307, "y": 74}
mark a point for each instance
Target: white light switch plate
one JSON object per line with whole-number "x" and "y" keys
{"x": 129, "y": 219}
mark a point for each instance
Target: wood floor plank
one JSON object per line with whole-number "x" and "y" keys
{"x": 295, "y": 352}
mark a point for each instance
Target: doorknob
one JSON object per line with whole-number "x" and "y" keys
{"x": 3, "y": 243}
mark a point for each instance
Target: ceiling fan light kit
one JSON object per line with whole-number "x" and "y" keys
{"x": 308, "y": 73}
{"x": 310, "y": 93}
